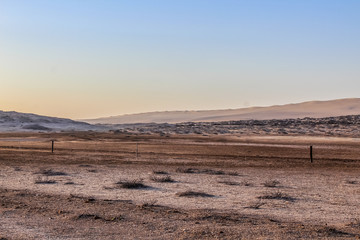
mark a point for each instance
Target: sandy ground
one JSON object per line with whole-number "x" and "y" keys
{"x": 258, "y": 187}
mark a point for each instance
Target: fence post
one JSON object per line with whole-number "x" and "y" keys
{"x": 52, "y": 146}
{"x": 311, "y": 154}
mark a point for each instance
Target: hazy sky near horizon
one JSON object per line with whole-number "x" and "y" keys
{"x": 87, "y": 58}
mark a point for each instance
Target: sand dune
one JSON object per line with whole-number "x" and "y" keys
{"x": 315, "y": 109}
{"x": 28, "y": 122}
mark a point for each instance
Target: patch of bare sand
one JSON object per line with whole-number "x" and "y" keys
{"x": 325, "y": 197}
{"x": 323, "y": 194}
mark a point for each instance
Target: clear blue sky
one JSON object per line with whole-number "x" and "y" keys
{"x": 82, "y": 59}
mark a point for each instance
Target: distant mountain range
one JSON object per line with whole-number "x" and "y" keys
{"x": 20, "y": 122}
{"x": 24, "y": 122}
{"x": 314, "y": 109}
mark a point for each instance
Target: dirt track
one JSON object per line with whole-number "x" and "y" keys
{"x": 261, "y": 188}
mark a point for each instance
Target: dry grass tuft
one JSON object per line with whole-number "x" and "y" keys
{"x": 159, "y": 172}
{"x": 187, "y": 170}
{"x": 230, "y": 183}
{"x": 351, "y": 182}
{"x": 256, "y": 205}
{"x": 246, "y": 183}
{"x": 271, "y": 183}
{"x": 44, "y": 181}
{"x": 278, "y": 196}
{"x": 166, "y": 178}
{"x": 148, "y": 204}
{"x": 50, "y": 172}
{"x": 193, "y": 194}
{"x": 132, "y": 184}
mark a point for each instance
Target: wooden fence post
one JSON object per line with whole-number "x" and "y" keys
{"x": 52, "y": 146}
{"x": 311, "y": 154}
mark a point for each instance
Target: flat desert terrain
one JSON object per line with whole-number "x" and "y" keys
{"x": 138, "y": 186}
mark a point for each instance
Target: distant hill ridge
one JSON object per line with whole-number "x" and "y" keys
{"x": 314, "y": 109}
{"x": 18, "y": 122}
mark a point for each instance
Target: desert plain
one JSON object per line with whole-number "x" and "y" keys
{"x": 117, "y": 185}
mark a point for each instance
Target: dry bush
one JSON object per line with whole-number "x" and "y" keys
{"x": 278, "y": 196}
{"x": 187, "y": 170}
{"x": 331, "y": 232}
{"x": 233, "y": 174}
{"x": 50, "y": 172}
{"x": 88, "y": 216}
{"x": 246, "y": 183}
{"x": 351, "y": 182}
{"x": 166, "y": 178}
{"x": 44, "y": 181}
{"x": 354, "y": 223}
{"x": 256, "y": 205}
{"x": 190, "y": 193}
{"x": 132, "y": 184}
{"x": 212, "y": 172}
{"x": 271, "y": 183}
{"x": 147, "y": 204}
{"x": 159, "y": 172}
{"x": 230, "y": 183}
{"x": 203, "y": 171}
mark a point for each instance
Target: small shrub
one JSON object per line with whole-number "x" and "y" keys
{"x": 354, "y": 223}
{"x": 278, "y": 196}
{"x": 147, "y": 204}
{"x": 330, "y": 231}
{"x": 230, "y": 183}
{"x": 166, "y": 178}
{"x": 193, "y": 194}
{"x": 50, "y": 172}
{"x": 160, "y": 172}
{"x": 187, "y": 170}
{"x": 256, "y": 205}
{"x": 212, "y": 172}
{"x": 246, "y": 183}
{"x": 233, "y": 174}
{"x": 44, "y": 181}
{"x": 351, "y": 182}
{"x": 203, "y": 171}
{"x": 131, "y": 184}
{"x": 271, "y": 183}
{"x": 69, "y": 183}
{"x": 88, "y": 216}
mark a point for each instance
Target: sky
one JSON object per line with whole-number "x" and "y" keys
{"x": 95, "y": 58}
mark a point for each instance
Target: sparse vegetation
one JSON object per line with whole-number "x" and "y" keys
{"x": 148, "y": 204}
{"x": 166, "y": 178}
{"x": 246, "y": 183}
{"x": 351, "y": 182}
{"x": 159, "y": 172}
{"x": 330, "y": 231}
{"x": 205, "y": 171}
{"x": 50, "y": 172}
{"x": 132, "y": 184}
{"x": 271, "y": 183}
{"x": 256, "y": 205}
{"x": 187, "y": 170}
{"x": 230, "y": 183}
{"x": 278, "y": 196}
{"x": 190, "y": 193}
{"x": 44, "y": 181}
